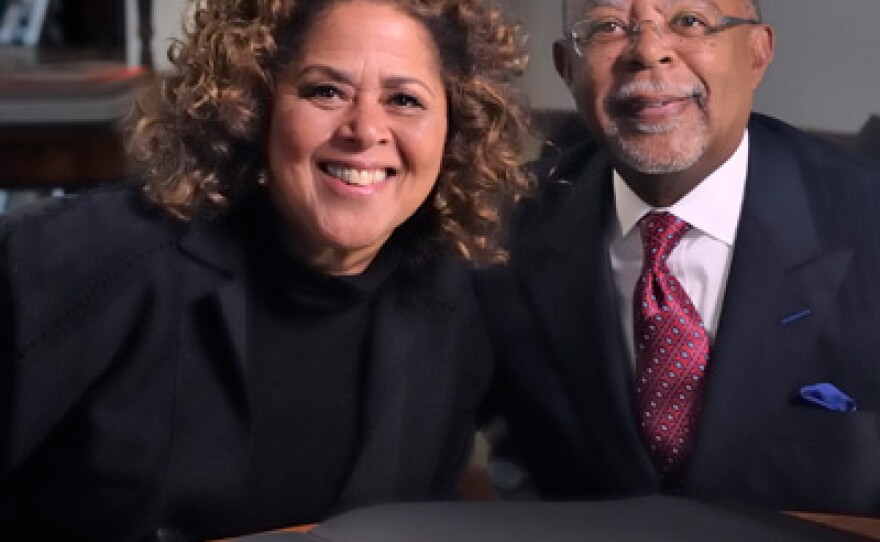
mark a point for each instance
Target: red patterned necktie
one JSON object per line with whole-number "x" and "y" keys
{"x": 672, "y": 350}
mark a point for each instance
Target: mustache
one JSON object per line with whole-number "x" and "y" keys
{"x": 628, "y": 95}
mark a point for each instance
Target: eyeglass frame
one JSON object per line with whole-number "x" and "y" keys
{"x": 635, "y": 27}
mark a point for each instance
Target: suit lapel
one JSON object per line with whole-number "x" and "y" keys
{"x": 569, "y": 283}
{"x": 780, "y": 286}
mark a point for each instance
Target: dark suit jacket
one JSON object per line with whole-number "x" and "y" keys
{"x": 802, "y": 306}
{"x": 103, "y": 303}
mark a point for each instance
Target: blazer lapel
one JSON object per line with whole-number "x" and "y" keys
{"x": 219, "y": 245}
{"x": 779, "y": 288}
{"x": 213, "y": 354}
{"x": 569, "y": 281}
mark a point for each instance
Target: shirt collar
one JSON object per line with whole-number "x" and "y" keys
{"x": 713, "y": 206}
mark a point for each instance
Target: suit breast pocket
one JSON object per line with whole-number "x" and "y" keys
{"x": 812, "y": 459}
{"x": 825, "y": 427}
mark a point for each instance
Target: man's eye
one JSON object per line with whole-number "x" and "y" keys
{"x": 606, "y": 27}
{"x": 689, "y": 20}
{"x": 405, "y": 100}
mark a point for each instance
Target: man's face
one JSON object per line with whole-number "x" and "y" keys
{"x": 659, "y": 102}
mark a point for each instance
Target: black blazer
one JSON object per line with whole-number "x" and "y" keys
{"x": 802, "y": 306}
{"x": 103, "y": 302}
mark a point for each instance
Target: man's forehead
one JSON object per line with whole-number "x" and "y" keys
{"x": 577, "y": 7}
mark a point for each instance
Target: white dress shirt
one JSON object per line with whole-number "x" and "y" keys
{"x": 701, "y": 261}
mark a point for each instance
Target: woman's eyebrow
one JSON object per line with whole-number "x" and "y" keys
{"x": 344, "y": 77}
{"x": 398, "y": 81}
{"x": 326, "y": 71}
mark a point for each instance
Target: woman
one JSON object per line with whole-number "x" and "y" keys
{"x": 283, "y": 327}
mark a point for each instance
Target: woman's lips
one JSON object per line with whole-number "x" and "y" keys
{"x": 356, "y": 176}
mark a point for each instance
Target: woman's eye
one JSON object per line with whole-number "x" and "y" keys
{"x": 326, "y": 92}
{"x": 405, "y": 100}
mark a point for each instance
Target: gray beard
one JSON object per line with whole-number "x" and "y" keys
{"x": 684, "y": 152}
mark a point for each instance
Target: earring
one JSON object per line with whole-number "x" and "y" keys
{"x": 261, "y": 179}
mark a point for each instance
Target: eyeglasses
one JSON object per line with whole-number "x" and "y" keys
{"x": 687, "y": 31}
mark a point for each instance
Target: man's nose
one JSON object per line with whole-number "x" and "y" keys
{"x": 650, "y": 44}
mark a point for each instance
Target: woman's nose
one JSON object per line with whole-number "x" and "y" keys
{"x": 365, "y": 124}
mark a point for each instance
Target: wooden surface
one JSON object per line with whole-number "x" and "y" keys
{"x": 869, "y": 527}
{"x": 295, "y": 529}
{"x": 67, "y": 157}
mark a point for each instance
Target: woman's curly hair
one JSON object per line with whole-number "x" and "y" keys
{"x": 200, "y": 135}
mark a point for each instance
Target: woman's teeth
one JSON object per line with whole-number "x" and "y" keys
{"x": 357, "y": 177}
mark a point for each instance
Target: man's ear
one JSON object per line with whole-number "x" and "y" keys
{"x": 761, "y": 43}
{"x": 562, "y": 60}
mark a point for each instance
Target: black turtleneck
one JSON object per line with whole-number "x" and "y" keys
{"x": 308, "y": 344}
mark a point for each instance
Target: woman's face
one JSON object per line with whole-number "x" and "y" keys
{"x": 357, "y": 133}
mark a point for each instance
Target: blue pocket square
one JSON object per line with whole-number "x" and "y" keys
{"x": 827, "y": 396}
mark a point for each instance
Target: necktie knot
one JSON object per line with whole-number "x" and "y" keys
{"x": 661, "y": 233}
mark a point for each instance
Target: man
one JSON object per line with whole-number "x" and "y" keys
{"x": 691, "y": 305}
